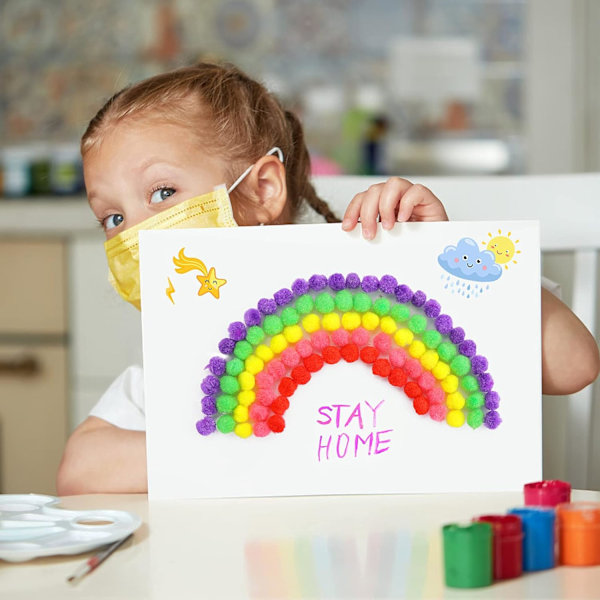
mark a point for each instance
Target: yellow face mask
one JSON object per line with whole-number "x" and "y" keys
{"x": 122, "y": 251}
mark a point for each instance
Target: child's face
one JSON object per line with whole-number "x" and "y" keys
{"x": 140, "y": 169}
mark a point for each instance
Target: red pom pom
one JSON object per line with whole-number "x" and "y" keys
{"x": 287, "y": 386}
{"x": 382, "y": 367}
{"x": 397, "y": 377}
{"x": 276, "y": 423}
{"x": 412, "y": 389}
{"x": 280, "y": 405}
{"x": 349, "y": 352}
{"x": 300, "y": 374}
{"x": 421, "y": 405}
{"x": 313, "y": 363}
{"x": 369, "y": 354}
{"x": 331, "y": 355}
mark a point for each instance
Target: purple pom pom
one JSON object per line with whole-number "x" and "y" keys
{"x": 457, "y": 335}
{"x": 226, "y": 346}
{"x": 479, "y": 364}
{"x": 492, "y": 400}
{"x": 432, "y": 308}
{"x": 369, "y": 284}
{"x": 267, "y": 306}
{"x": 206, "y": 426}
{"x": 317, "y": 282}
{"x": 403, "y": 293}
{"x": 352, "y": 281}
{"x": 283, "y": 296}
{"x": 210, "y": 385}
{"x": 209, "y": 405}
{"x": 252, "y": 317}
{"x": 216, "y": 365}
{"x": 337, "y": 282}
{"x": 419, "y": 298}
{"x": 443, "y": 324}
{"x": 486, "y": 382}
{"x": 387, "y": 284}
{"x": 492, "y": 419}
{"x": 300, "y": 287}
{"x": 468, "y": 348}
{"x": 237, "y": 331}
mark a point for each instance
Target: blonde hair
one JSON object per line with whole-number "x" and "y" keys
{"x": 232, "y": 114}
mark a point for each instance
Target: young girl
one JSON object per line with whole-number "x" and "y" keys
{"x": 152, "y": 157}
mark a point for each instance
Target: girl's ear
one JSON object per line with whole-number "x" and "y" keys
{"x": 268, "y": 188}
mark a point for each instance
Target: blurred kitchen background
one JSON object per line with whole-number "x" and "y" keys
{"x": 402, "y": 87}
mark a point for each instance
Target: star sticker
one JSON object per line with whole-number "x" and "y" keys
{"x": 210, "y": 284}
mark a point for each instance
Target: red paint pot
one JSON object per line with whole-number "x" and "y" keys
{"x": 507, "y": 544}
{"x": 547, "y": 493}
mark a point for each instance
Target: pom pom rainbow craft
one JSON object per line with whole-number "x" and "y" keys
{"x": 400, "y": 335}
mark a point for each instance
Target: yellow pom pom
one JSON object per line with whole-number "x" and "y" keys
{"x": 441, "y": 370}
{"x": 450, "y": 384}
{"x": 264, "y": 352}
{"x": 254, "y": 364}
{"x": 388, "y": 325}
{"x": 246, "y": 380}
{"x": 370, "y": 321}
{"x": 455, "y": 418}
{"x": 311, "y": 323}
{"x": 246, "y": 397}
{"x": 455, "y": 401}
{"x": 429, "y": 359}
{"x": 404, "y": 336}
{"x": 417, "y": 349}
{"x": 244, "y": 430}
{"x": 350, "y": 320}
{"x": 293, "y": 333}
{"x": 240, "y": 414}
{"x": 331, "y": 322}
{"x": 278, "y": 343}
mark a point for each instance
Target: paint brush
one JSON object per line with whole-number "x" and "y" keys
{"x": 96, "y": 560}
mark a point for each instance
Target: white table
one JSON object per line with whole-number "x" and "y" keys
{"x": 301, "y": 547}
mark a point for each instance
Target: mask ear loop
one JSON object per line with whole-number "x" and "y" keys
{"x": 273, "y": 150}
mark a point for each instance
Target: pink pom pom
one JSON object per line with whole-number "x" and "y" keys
{"x": 360, "y": 336}
{"x": 304, "y": 348}
{"x": 263, "y": 380}
{"x": 382, "y": 341}
{"x": 413, "y": 368}
{"x": 261, "y": 429}
{"x": 426, "y": 381}
{"x": 258, "y": 412}
{"x": 437, "y": 412}
{"x": 320, "y": 339}
{"x": 277, "y": 369}
{"x": 290, "y": 358}
{"x": 340, "y": 337}
{"x": 265, "y": 397}
{"x": 436, "y": 395}
{"x": 397, "y": 357}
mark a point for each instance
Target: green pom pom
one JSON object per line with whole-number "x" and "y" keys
{"x": 289, "y": 316}
{"x": 432, "y": 338}
{"x": 475, "y": 418}
{"x": 304, "y": 304}
{"x": 343, "y": 300}
{"x": 225, "y": 424}
{"x": 229, "y": 385}
{"x": 324, "y": 303}
{"x": 243, "y": 349}
{"x": 362, "y": 302}
{"x": 400, "y": 313}
{"x": 226, "y": 403}
{"x": 417, "y": 323}
{"x": 381, "y": 306}
{"x": 469, "y": 383}
{"x": 460, "y": 365}
{"x": 475, "y": 400}
{"x": 234, "y": 367}
{"x": 447, "y": 351}
{"x": 255, "y": 335}
{"x": 272, "y": 325}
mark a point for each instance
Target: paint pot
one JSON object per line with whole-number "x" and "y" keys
{"x": 579, "y": 533}
{"x": 538, "y": 538}
{"x": 547, "y": 493}
{"x": 507, "y": 545}
{"x": 468, "y": 554}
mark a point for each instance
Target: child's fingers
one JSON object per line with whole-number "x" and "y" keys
{"x": 421, "y": 198}
{"x": 391, "y": 192}
{"x": 352, "y": 213}
{"x": 369, "y": 211}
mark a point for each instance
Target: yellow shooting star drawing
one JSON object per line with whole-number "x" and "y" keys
{"x": 209, "y": 282}
{"x": 169, "y": 291}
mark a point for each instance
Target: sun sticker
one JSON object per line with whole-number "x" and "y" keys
{"x": 503, "y": 248}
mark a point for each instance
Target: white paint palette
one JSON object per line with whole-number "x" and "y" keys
{"x": 31, "y": 526}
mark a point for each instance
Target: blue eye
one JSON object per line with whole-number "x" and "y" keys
{"x": 161, "y": 194}
{"x": 112, "y": 221}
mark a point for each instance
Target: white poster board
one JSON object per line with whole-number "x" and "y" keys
{"x": 262, "y": 380}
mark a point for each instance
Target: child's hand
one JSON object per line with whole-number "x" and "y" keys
{"x": 395, "y": 200}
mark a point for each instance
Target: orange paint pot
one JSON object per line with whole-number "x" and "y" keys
{"x": 579, "y": 533}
